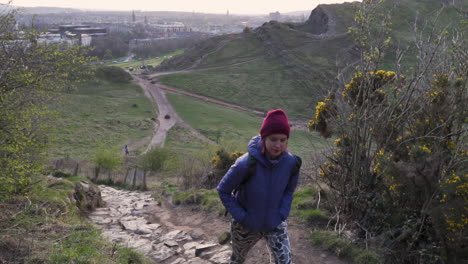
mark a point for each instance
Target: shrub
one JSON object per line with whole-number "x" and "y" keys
{"x": 221, "y": 162}
{"x": 154, "y": 160}
{"x": 60, "y": 174}
{"x": 399, "y": 162}
{"x": 113, "y": 74}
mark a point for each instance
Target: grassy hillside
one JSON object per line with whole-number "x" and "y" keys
{"x": 230, "y": 126}
{"x": 263, "y": 82}
{"x": 281, "y": 65}
{"x": 101, "y": 114}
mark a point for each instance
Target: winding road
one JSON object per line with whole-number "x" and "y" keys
{"x": 158, "y": 97}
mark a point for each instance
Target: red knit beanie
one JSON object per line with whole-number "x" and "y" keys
{"x": 275, "y": 122}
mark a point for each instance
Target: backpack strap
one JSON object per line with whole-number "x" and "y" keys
{"x": 298, "y": 165}
{"x": 251, "y": 168}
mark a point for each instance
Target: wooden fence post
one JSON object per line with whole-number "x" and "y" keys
{"x": 77, "y": 167}
{"x": 144, "y": 180}
{"x": 134, "y": 177}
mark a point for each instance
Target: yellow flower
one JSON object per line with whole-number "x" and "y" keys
{"x": 337, "y": 142}
{"x": 394, "y": 186}
{"x": 425, "y": 149}
{"x": 381, "y": 152}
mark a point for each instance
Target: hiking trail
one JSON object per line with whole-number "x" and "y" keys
{"x": 184, "y": 234}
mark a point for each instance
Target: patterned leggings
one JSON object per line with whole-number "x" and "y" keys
{"x": 243, "y": 240}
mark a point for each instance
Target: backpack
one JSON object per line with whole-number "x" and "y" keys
{"x": 252, "y": 167}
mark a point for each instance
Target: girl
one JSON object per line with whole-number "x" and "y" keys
{"x": 261, "y": 202}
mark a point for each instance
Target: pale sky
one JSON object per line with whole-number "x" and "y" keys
{"x": 205, "y": 6}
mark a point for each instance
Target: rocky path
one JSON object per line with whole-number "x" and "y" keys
{"x": 179, "y": 235}
{"x": 125, "y": 220}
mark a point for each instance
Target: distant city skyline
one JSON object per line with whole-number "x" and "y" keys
{"x": 205, "y": 6}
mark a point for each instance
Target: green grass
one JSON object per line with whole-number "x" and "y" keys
{"x": 101, "y": 114}
{"x": 328, "y": 240}
{"x": 304, "y": 198}
{"x": 304, "y": 207}
{"x": 153, "y": 61}
{"x": 86, "y": 245}
{"x": 235, "y": 51}
{"x": 208, "y": 200}
{"x": 225, "y": 125}
{"x": 182, "y": 140}
{"x": 216, "y": 122}
{"x": 262, "y": 85}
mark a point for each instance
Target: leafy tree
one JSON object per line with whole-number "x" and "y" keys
{"x": 107, "y": 159}
{"x": 109, "y": 47}
{"x": 154, "y": 159}
{"x": 398, "y": 174}
{"x": 30, "y": 76}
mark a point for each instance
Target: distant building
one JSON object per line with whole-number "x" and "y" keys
{"x": 145, "y": 42}
{"x": 52, "y": 39}
{"x": 173, "y": 27}
{"x": 118, "y": 27}
{"x": 275, "y": 16}
{"x": 73, "y": 35}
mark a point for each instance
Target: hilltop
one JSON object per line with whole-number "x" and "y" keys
{"x": 258, "y": 66}
{"x": 290, "y": 65}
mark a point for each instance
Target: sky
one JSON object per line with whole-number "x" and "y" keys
{"x": 205, "y": 6}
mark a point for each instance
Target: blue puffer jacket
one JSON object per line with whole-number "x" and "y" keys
{"x": 265, "y": 201}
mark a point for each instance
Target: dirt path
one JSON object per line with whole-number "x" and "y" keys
{"x": 303, "y": 252}
{"x": 157, "y": 95}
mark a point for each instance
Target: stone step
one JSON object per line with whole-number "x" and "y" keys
{"x": 123, "y": 222}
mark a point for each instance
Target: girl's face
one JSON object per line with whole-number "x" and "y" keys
{"x": 275, "y": 144}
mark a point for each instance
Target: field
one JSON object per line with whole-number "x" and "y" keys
{"x": 232, "y": 127}
{"x": 101, "y": 114}
{"x": 137, "y": 63}
{"x": 256, "y": 85}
